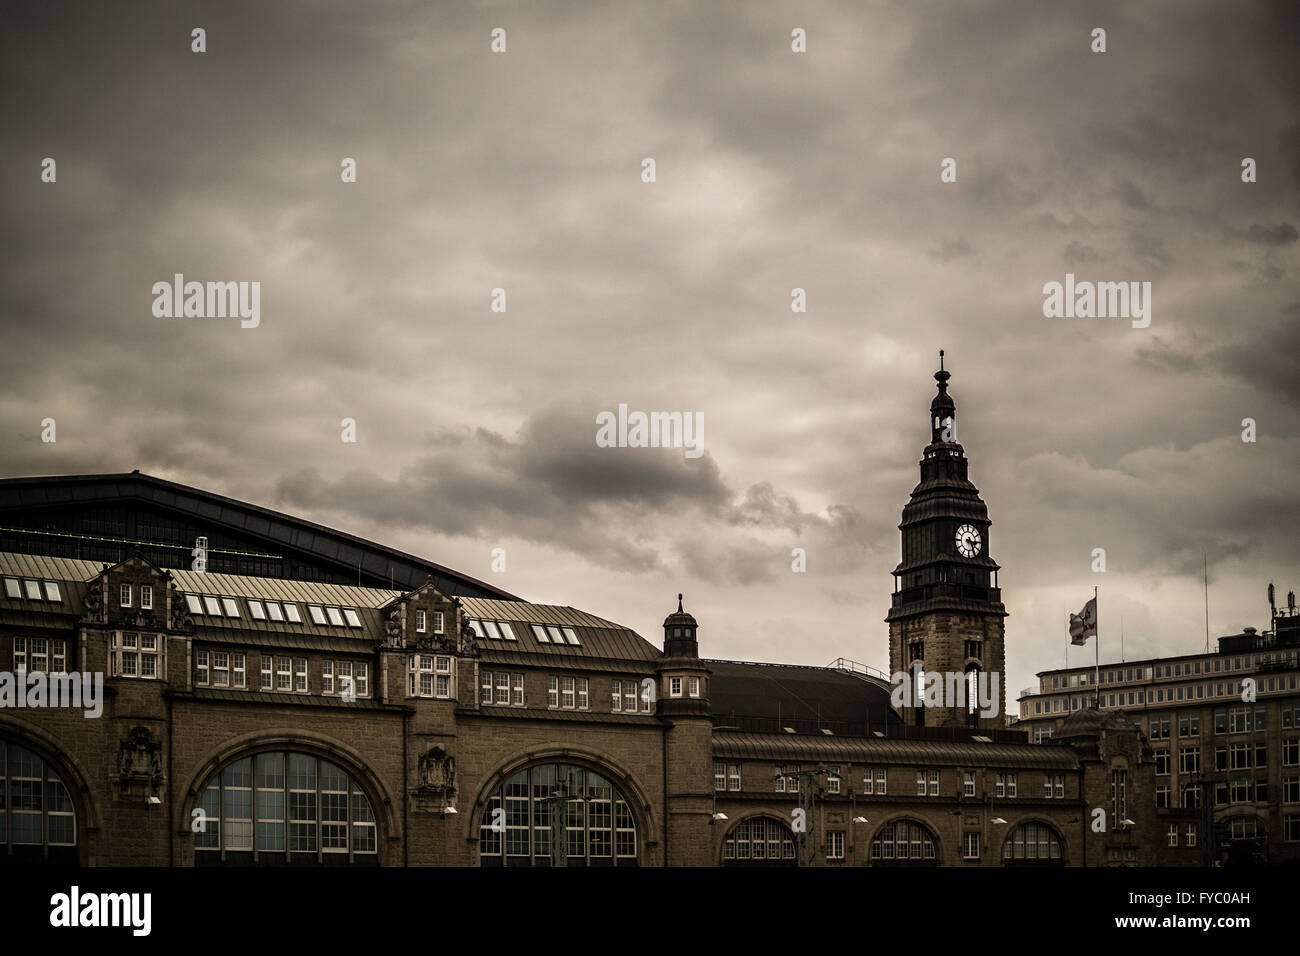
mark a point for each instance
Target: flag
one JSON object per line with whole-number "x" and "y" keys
{"x": 1084, "y": 624}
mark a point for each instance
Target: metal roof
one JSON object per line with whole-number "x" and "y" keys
{"x": 602, "y": 643}
{"x": 277, "y": 530}
{"x": 769, "y": 696}
{"x": 892, "y": 751}
{"x": 46, "y": 568}
{"x": 600, "y": 639}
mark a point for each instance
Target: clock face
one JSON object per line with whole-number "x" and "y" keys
{"x": 968, "y": 541}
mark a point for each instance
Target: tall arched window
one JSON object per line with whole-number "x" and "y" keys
{"x": 759, "y": 841}
{"x": 1032, "y": 842}
{"x": 549, "y": 810}
{"x": 903, "y": 841}
{"x": 284, "y": 807}
{"x": 37, "y": 821}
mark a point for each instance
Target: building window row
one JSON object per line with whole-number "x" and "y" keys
{"x": 433, "y": 675}
{"x": 19, "y": 589}
{"x": 503, "y": 688}
{"x": 48, "y": 655}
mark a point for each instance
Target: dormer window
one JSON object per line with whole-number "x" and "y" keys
{"x": 123, "y": 596}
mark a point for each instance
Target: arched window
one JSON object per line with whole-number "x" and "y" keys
{"x": 759, "y": 841}
{"x": 1032, "y": 842}
{"x": 284, "y": 807}
{"x": 549, "y": 810}
{"x": 903, "y": 841}
{"x": 37, "y": 820}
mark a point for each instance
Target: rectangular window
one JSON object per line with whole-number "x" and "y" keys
{"x": 920, "y": 783}
{"x": 566, "y": 693}
{"x": 873, "y": 781}
{"x": 419, "y": 621}
{"x": 201, "y": 668}
{"x": 503, "y": 687}
{"x": 123, "y": 598}
{"x": 317, "y": 615}
{"x": 437, "y": 622}
{"x": 220, "y": 669}
{"x": 283, "y": 673}
{"x": 485, "y": 687}
{"x": 517, "y": 688}
{"x": 733, "y": 776}
{"x": 834, "y": 844}
{"x": 346, "y": 684}
{"x": 335, "y": 617}
{"x": 553, "y": 692}
{"x": 970, "y": 846}
{"x": 695, "y": 687}
{"x": 674, "y": 687}
{"x": 833, "y": 780}
{"x": 267, "y": 672}
{"x": 232, "y": 608}
{"x": 616, "y": 697}
{"x": 291, "y": 612}
{"x": 327, "y": 677}
{"x": 300, "y": 675}
{"x": 719, "y": 776}
{"x": 256, "y": 610}
{"x": 968, "y": 783}
{"x": 146, "y": 597}
{"x": 238, "y": 672}
{"x": 130, "y": 655}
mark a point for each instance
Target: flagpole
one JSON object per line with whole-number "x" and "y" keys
{"x": 1096, "y": 673}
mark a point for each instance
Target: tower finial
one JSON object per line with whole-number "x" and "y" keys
{"x": 679, "y": 604}
{"x": 940, "y": 360}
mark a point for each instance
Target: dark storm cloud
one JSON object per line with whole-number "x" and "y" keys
{"x": 775, "y": 171}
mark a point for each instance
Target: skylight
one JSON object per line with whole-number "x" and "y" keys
{"x": 317, "y": 615}
{"x": 335, "y": 617}
{"x": 52, "y": 592}
{"x": 232, "y": 608}
{"x": 33, "y": 590}
{"x": 193, "y": 603}
{"x": 12, "y": 589}
{"x": 571, "y": 635}
{"x": 506, "y": 630}
{"x": 291, "y": 612}
{"x": 540, "y": 633}
{"x": 255, "y": 608}
{"x": 351, "y": 615}
{"x": 274, "y": 611}
{"x": 211, "y": 605}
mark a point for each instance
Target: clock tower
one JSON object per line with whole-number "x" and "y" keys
{"x": 947, "y": 618}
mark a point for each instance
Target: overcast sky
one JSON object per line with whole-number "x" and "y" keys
{"x": 523, "y": 170}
